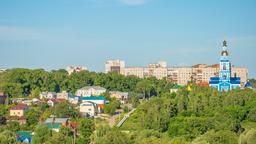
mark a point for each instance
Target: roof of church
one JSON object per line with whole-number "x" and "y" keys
{"x": 248, "y": 84}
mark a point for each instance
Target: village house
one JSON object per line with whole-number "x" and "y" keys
{"x": 73, "y": 99}
{"x": 63, "y": 95}
{"x": 90, "y": 91}
{"x": 121, "y": 96}
{"x": 24, "y": 137}
{"x": 88, "y": 109}
{"x": 100, "y": 101}
{"x": 18, "y": 110}
{"x": 30, "y": 102}
{"x": 56, "y": 123}
{"x": 48, "y": 95}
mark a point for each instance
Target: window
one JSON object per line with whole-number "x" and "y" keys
{"x": 224, "y": 67}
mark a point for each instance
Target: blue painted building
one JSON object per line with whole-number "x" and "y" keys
{"x": 225, "y": 82}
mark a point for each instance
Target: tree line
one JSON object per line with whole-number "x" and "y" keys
{"x": 21, "y": 82}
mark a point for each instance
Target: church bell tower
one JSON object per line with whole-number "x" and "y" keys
{"x": 225, "y": 65}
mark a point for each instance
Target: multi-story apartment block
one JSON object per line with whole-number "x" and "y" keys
{"x": 179, "y": 75}
{"x": 201, "y": 73}
{"x": 135, "y": 71}
{"x": 158, "y": 70}
{"x": 114, "y": 66}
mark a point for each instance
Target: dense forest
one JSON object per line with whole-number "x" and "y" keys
{"x": 201, "y": 115}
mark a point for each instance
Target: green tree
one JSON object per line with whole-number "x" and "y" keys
{"x": 64, "y": 109}
{"x": 85, "y": 130}
{"x": 42, "y": 134}
{"x": 248, "y": 137}
{"x": 64, "y": 136}
{"x": 145, "y": 86}
{"x": 8, "y": 137}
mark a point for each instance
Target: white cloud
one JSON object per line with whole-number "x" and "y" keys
{"x": 133, "y": 2}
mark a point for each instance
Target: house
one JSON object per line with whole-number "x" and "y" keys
{"x": 63, "y": 95}
{"x": 27, "y": 102}
{"x": 100, "y": 101}
{"x": 35, "y": 101}
{"x": 24, "y": 136}
{"x": 56, "y": 123}
{"x": 17, "y": 100}
{"x": 121, "y": 96}
{"x": 90, "y": 91}
{"x": 48, "y": 95}
{"x": 88, "y": 109}
{"x": 53, "y": 102}
{"x": 73, "y": 99}
{"x": 2, "y": 98}
{"x": 18, "y": 110}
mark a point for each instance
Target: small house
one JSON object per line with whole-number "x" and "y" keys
{"x": 56, "y": 123}
{"x": 100, "y": 101}
{"x": 121, "y": 96}
{"x": 24, "y": 136}
{"x": 48, "y": 95}
{"x": 18, "y": 110}
{"x": 88, "y": 109}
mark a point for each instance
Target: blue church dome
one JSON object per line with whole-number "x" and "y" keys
{"x": 248, "y": 84}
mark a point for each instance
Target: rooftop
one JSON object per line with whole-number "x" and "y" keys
{"x": 94, "y": 98}
{"x": 93, "y": 87}
{"x": 20, "y": 106}
{"x": 53, "y": 125}
{"x": 56, "y": 120}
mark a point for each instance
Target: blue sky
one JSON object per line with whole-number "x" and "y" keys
{"x": 53, "y": 34}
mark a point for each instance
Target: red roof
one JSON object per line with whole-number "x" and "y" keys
{"x": 57, "y": 100}
{"x": 73, "y": 125}
{"x": 20, "y": 106}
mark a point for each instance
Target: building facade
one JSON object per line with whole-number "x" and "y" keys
{"x": 114, "y": 66}
{"x": 225, "y": 81}
{"x": 18, "y": 110}
{"x": 90, "y": 91}
{"x": 88, "y": 109}
{"x": 200, "y": 73}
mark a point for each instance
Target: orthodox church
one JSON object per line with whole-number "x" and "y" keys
{"x": 225, "y": 82}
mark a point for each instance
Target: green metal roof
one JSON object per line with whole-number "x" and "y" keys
{"x": 53, "y": 125}
{"x": 24, "y": 133}
{"x": 94, "y": 98}
{"x": 177, "y": 87}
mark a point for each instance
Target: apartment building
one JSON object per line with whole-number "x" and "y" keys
{"x": 202, "y": 73}
{"x": 134, "y": 71}
{"x": 114, "y": 66}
